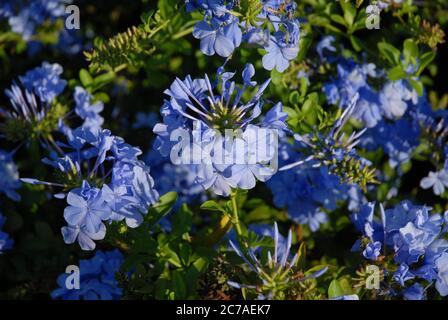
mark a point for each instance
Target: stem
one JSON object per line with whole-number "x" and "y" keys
{"x": 235, "y": 218}
{"x": 182, "y": 33}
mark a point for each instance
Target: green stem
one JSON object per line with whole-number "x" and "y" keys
{"x": 235, "y": 218}
{"x": 182, "y": 33}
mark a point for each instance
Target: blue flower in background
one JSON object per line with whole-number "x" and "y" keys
{"x": 24, "y": 17}
{"x": 325, "y": 44}
{"x": 438, "y": 181}
{"x": 97, "y": 279}
{"x": 397, "y": 139}
{"x": 390, "y": 102}
{"x": 5, "y": 242}
{"x": 223, "y": 30}
{"x": 394, "y": 98}
{"x": 9, "y": 182}
{"x": 180, "y": 178}
{"x": 352, "y": 78}
{"x": 87, "y": 110}
{"x": 45, "y": 81}
{"x": 31, "y": 99}
{"x": 305, "y": 191}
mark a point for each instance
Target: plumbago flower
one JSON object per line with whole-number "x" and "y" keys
{"x": 97, "y": 279}
{"x": 306, "y": 191}
{"x": 5, "y": 242}
{"x": 276, "y": 274}
{"x": 391, "y": 102}
{"x": 409, "y": 242}
{"x": 228, "y": 149}
{"x": 180, "y": 178}
{"x": 270, "y": 24}
{"x": 106, "y": 180}
{"x": 438, "y": 181}
{"x": 25, "y": 17}
{"x": 336, "y": 152}
{"x": 33, "y": 111}
{"x": 9, "y": 182}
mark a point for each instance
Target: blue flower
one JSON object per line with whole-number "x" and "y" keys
{"x": 305, "y": 191}
{"x": 31, "y": 99}
{"x": 403, "y": 274}
{"x": 352, "y": 78}
{"x": 86, "y": 110}
{"x": 398, "y": 139}
{"x": 394, "y": 99}
{"x": 97, "y": 279}
{"x": 441, "y": 263}
{"x": 45, "y": 81}
{"x": 5, "y": 242}
{"x": 9, "y": 183}
{"x": 413, "y": 241}
{"x": 114, "y": 184}
{"x": 274, "y": 28}
{"x": 372, "y": 251}
{"x": 325, "y": 44}
{"x": 348, "y": 297}
{"x": 217, "y": 134}
{"x": 87, "y": 208}
{"x": 414, "y": 292}
{"x": 279, "y": 53}
{"x": 218, "y": 38}
{"x": 437, "y": 180}
{"x": 24, "y": 17}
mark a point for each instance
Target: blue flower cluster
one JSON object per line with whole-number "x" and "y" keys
{"x": 227, "y": 23}
{"x": 32, "y": 98}
{"x": 105, "y": 178}
{"x": 9, "y": 182}
{"x": 391, "y": 102}
{"x": 5, "y": 242}
{"x": 112, "y": 184}
{"x": 25, "y": 17}
{"x": 314, "y": 188}
{"x": 415, "y": 240}
{"x": 200, "y": 117}
{"x": 97, "y": 279}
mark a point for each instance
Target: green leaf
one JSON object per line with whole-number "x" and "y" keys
{"x": 391, "y": 53}
{"x": 338, "y": 19}
{"x": 410, "y": 50}
{"x": 294, "y": 97}
{"x": 356, "y": 43}
{"x": 418, "y": 86}
{"x": 349, "y": 12}
{"x": 180, "y": 289}
{"x": 212, "y": 205}
{"x": 397, "y": 73}
{"x": 335, "y": 289}
{"x": 162, "y": 207}
{"x": 425, "y": 60}
{"x": 85, "y": 77}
